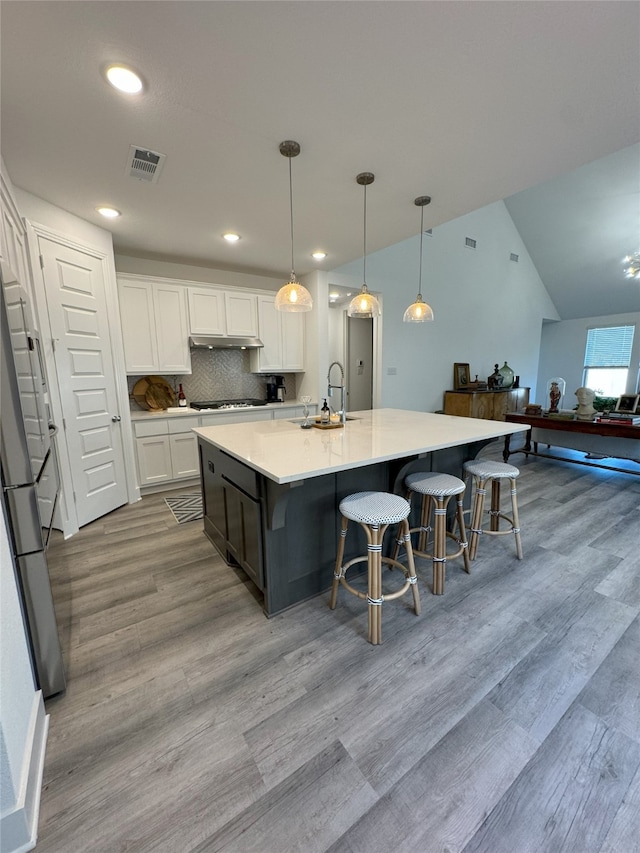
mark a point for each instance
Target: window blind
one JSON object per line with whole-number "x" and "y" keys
{"x": 609, "y": 347}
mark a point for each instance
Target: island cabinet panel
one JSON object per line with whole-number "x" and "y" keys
{"x": 486, "y": 405}
{"x": 233, "y": 516}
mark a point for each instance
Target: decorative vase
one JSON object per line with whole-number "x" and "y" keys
{"x": 507, "y": 376}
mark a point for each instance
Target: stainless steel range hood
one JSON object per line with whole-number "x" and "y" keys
{"x": 215, "y": 342}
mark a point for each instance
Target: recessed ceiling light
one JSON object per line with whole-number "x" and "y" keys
{"x": 319, "y": 256}
{"x": 124, "y": 79}
{"x": 108, "y": 212}
{"x": 230, "y": 237}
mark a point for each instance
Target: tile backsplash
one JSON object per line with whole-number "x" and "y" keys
{"x": 222, "y": 374}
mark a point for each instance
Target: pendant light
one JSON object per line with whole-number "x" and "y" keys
{"x": 293, "y": 296}
{"x": 364, "y": 305}
{"x": 419, "y": 311}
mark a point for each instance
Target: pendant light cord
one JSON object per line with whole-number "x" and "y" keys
{"x": 293, "y": 274}
{"x": 364, "y": 251}
{"x": 421, "y": 233}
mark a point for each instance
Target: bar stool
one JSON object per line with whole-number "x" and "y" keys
{"x": 437, "y": 490}
{"x": 483, "y": 470}
{"x": 375, "y": 511}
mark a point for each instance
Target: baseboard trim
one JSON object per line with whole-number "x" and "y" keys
{"x": 19, "y": 826}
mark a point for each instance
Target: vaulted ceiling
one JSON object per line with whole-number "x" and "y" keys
{"x": 468, "y": 102}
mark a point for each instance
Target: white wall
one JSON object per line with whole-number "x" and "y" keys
{"x": 487, "y": 308}
{"x": 562, "y": 352}
{"x": 189, "y": 272}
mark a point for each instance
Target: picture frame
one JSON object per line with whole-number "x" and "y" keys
{"x": 628, "y": 403}
{"x": 461, "y": 376}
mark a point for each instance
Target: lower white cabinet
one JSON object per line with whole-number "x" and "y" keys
{"x": 166, "y": 450}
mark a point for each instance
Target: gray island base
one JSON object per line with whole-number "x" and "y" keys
{"x": 271, "y": 491}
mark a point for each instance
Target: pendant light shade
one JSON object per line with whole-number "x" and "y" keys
{"x": 364, "y": 304}
{"x": 293, "y": 296}
{"x": 419, "y": 311}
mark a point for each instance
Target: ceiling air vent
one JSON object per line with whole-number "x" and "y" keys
{"x": 513, "y": 257}
{"x": 145, "y": 165}
{"x": 469, "y": 242}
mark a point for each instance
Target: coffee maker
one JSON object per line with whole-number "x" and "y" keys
{"x": 276, "y": 389}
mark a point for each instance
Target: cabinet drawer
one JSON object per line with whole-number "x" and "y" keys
{"x": 151, "y": 427}
{"x": 236, "y": 417}
{"x": 238, "y": 474}
{"x": 183, "y": 424}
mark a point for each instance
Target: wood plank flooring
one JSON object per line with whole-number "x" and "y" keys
{"x": 504, "y": 719}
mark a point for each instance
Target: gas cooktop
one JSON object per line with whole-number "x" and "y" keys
{"x": 228, "y": 404}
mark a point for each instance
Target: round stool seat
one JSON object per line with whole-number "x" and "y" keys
{"x": 434, "y": 484}
{"x": 375, "y": 508}
{"x": 483, "y": 471}
{"x": 487, "y": 468}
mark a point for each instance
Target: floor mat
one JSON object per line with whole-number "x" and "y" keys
{"x": 186, "y": 507}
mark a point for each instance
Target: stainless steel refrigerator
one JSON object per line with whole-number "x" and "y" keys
{"x": 30, "y": 481}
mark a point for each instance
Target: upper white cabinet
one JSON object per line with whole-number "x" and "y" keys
{"x": 222, "y": 312}
{"x": 283, "y": 337}
{"x": 206, "y": 311}
{"x": 155, "y": 331}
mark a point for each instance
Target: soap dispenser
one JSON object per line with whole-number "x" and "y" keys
{"x": 325, "y": 413}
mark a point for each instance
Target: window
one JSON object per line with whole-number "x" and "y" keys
{"x": 606, "y": 360}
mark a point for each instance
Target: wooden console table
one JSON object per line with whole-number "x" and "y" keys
{"x": 488, "y": 405}
{"x": 620, "y": 441}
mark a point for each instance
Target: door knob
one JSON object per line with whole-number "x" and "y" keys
{"x": 116, "y": 419}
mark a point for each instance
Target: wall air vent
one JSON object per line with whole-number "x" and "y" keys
{"x": 513, "y": 257}
{"x": 469, "y": 242}
{"x": 144, "y": 165}
{"x": 428, "y": 232}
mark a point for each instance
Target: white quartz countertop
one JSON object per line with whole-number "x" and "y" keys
{"x": 178, "y": 412}
{"x": 284, "y": 452}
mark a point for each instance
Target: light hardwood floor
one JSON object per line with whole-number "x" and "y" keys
{"x": 504, "y": 719}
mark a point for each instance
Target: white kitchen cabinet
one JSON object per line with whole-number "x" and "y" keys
{"x": 226, "y": 313}
{"x": 166, "y": 449}
{"x": 206, "y": 311}
{"x": 153, "y": 314}
{"x": 242, "y": 314}
{"x": 282, "y": 334}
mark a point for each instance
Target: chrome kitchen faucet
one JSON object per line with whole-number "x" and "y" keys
{"x": 331, "y": 388}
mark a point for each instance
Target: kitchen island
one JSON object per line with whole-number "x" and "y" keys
{"x": 271, "y": 490}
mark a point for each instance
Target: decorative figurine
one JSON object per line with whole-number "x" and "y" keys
{"x": 495, "y": 380}
{"x": 586, "y": 410}
{"x": 554, "y": 398}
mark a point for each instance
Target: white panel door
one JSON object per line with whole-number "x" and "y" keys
{"x": 76, "y": 303}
